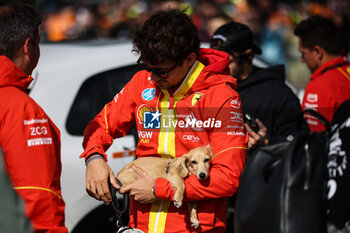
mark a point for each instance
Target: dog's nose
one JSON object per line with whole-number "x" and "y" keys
{"x": 202, "y": 175}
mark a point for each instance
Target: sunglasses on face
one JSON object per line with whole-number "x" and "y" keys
{"x": 159, "y": 72}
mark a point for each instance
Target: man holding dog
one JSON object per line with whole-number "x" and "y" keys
{"x": 184, "y": 99}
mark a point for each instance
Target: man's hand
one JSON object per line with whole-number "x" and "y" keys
{"x": 257, "y": 139}
{"x": 141, "y": 189}
{"x": 97, "y": 175}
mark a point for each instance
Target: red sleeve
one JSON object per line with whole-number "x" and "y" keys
{"x": 114, "y": 121}
{"x": 318, "y": 98}
{"x": 31, "y": 145}
{"x": 229, "y": 145}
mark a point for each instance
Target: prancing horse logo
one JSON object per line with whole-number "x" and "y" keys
{"x": 197, "y": 96}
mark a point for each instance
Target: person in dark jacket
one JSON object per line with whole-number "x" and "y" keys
{"x": 263, "y": 92}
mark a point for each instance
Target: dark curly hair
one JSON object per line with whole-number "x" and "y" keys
{"x": 317, "y": 30}
{"x": 18, "y": 21}
{"x": 166, "y": 36}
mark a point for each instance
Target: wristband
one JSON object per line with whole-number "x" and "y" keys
{"x": 93, "y": 158}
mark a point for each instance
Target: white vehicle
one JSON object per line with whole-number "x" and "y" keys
{"x": 73, "y": 81}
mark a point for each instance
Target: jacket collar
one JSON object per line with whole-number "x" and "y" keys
{"x": 11, "y": 75}
{"x": 211, "y": 68}
{"x": 336, "y": 62}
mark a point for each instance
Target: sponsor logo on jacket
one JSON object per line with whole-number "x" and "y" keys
{"x": 235, "y": 104}
{"x": 35, "y": 121}
{"x": 235, "y": 127}
{"x": 235, "y": 133}
{"x": 148, "y": 94}
{"x": 236, "y": 117}
{"x": 312, "y": 97}
{"x": 117, "y": 95}
{"x": 140, "y": 112}
{"x": 39, "y": 141}
{"x": 192, "y": 118}
{"x": 197, "y": 96}
{"x": 145, "y": 136}
{"x": 192, "y": 138}
{"x": 40, "y": 130}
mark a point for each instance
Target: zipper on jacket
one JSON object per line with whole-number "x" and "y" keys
{"x": 171, "y": 101}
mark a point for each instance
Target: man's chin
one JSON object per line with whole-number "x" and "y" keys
{"x": 163, "y": 85}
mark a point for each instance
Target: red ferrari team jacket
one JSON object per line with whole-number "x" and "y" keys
{"x": 31, "y": 145}
{"x": 203, "y": 109}
{"x": 328, "y": 88}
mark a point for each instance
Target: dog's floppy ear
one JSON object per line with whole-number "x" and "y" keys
{"x": 180, "y": 166}
{"x": 210, "y": 151}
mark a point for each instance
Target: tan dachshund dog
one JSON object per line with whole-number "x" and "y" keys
{"x": 195, "y": 162}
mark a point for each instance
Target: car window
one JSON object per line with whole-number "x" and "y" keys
{"x": 94, "y": 93}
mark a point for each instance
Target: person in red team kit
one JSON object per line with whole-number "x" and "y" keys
{"x": 184, "y": 99}
{"x": 29, "y": 139}
{"x": 321, "y": 49}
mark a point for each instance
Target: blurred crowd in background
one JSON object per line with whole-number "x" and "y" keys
{"x": 271, "y": 21}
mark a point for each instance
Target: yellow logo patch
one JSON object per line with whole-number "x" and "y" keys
{"x": 197, "y": 96}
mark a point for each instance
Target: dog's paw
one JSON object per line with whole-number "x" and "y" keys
{"x": 195, "y": 223}
{"x": 178, "y": 204}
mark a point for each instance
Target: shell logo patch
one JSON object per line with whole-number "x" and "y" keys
{"x": 140, "y": 112}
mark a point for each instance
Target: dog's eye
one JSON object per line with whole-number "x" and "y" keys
{"x": 206, "y": 160}
{"x": 194, "y": 162}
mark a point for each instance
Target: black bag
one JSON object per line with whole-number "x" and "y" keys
{"x": 339, "y": 172}
{"x": 282, "y": 188}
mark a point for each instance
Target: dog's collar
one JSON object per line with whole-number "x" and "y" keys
{"x": 167, "y": 168}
